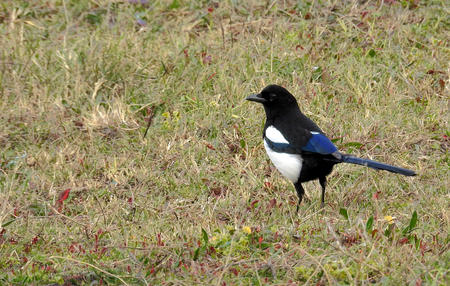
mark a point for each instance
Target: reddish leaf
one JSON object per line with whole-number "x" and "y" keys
{"x": 209, "y": 146}
{"x": 34, "y": 240}
{"x": 403, "y": 240}
{"x": 435, "y": 71}
{"x": 374, "y": 232}
{"x": 47, "y": 268}
{"x": 423, "y": 247}
{"x": 211, "y": 250}
{"x": 72, "y": 248}
{"x": 268, "y": 185}
{"x": 376, "y": 195}
{"x": 2, "y": 233}
{"x": 64, "y": 195}
{"x": 441, "y": 83}
{"x": 210, "y": 9}
{"x": 78, "y": 123}
{"x": 159, "y": 240}
{"x": 217, "y": 191}
{"x": 211, "y": 76}
{"x": 272, "y": 203}
{"x": 349, "y": 239}
{"x": 234, "y": 271}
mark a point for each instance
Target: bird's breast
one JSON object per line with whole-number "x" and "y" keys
{"x": 289, "y": 165}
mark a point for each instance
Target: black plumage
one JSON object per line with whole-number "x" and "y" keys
{"x": 297, "y": 145}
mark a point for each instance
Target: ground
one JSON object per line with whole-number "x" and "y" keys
{"x": 85, "y": 198}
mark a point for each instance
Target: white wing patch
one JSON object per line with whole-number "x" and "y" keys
{"x": 274, "y": 135}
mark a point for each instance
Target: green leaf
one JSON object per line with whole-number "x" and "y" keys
{"x": 371, "y": 53}
{"x": 413, "y": 221}
{"x": 412, "y": 224}
{"x": 353, "y": 144}
{"x": 388, "y": 230}
{"x": 95, "y": 17}
{"x": 344, "y": 213}
{"x": 369, "y": 225}
{"x": 205, "y": 236}
{"x": 174, "y": 5}
{"x": 242, "y": 142}
{"x": 196, "y": 254}
{"x": 8, "y": 223}
{"x": 335, "y": 140}
{"x": 264, "y": 245}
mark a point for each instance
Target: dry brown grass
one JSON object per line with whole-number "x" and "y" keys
{"x": 196, "y": 201}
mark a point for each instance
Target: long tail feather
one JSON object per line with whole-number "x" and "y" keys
{"x": 377, "y": 165}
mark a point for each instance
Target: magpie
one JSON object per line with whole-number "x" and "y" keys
{"x": 298, "y": 148}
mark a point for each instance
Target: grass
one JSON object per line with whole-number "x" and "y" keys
{"x": 86, "y": 199}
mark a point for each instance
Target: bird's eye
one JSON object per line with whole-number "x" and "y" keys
{"x": 272, "y": 96}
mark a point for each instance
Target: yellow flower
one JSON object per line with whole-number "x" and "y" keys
{"x": 247, "y": 229}
{"x": 389, "y": 219}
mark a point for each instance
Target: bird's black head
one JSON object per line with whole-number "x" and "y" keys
{"x": 274, "y": 97}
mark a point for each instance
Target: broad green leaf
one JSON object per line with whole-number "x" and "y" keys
{"x": 242, "y": 142}
{"x": 413, "y": 221}
{"x": 344, "y": 213}
{"x": 369, "y": 225}
{"x": 205, "y": 236}
{"x": 371, "y": 53}
{"x": 196, "y": 254}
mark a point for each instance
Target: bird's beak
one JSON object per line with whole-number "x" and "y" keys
{"x": 257, "y": 98}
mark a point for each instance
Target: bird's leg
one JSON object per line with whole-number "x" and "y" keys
{"x": 323, "y": 183}
{"x": 300, "y": 192}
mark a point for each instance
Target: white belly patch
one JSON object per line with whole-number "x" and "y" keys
{"x": 289, "y": 165}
